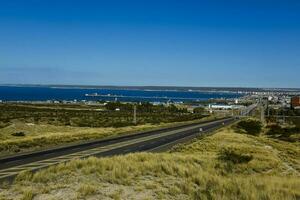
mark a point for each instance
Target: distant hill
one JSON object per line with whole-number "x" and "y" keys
{"x": 164, "y": 88}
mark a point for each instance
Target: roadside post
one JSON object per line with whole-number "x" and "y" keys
{"x": 200, "y": 130}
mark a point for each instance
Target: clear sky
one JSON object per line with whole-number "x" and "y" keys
{"x": 247, "y": 43}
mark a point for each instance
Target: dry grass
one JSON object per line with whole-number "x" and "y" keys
{"x": 191, "y": 171}
{"x": 86, "y": 189}
{"x": 45, "y": 136}
{"x": 27, "y": 195}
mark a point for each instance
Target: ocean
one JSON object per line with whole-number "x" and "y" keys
{"x": 24, "y": 93}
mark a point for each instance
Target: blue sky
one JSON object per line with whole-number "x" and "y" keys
{"x": 247, "y": 43}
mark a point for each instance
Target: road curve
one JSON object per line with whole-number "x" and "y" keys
{"x": 145, "y": 141}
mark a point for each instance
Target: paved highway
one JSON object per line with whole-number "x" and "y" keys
{"x": 146, "y": 141}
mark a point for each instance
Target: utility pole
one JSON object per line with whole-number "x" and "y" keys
{"x": 262, "y": 112}
{"x": 134, "y": 114}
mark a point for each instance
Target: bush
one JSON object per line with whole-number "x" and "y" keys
{"x": 3, "y": 124}
{"x": 231, "y": 155}
{"x": 199, "y": 110}
{"x": 275, "y": 129}
{"x": 250, "y": 126}
{"x": 18, "y": 134}
{"x": 122, "y": 124}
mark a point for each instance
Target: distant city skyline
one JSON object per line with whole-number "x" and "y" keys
{"x": 154, "y": 43}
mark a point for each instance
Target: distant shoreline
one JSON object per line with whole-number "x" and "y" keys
{"x": 160, "y": 88}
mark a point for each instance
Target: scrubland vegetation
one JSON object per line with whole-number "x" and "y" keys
{"x": 25, "y": 127}
{"x": 230, "y": 164}
{"x": 290, "y": 134}
{"x": 292, "y": 116}
{"x": 250, "y": 126}
{"x": 92, "y": 116}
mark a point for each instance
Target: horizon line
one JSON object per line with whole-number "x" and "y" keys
{"x": 139, "y": 86}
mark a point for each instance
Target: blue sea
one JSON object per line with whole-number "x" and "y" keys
{"x": 16, "y": 93}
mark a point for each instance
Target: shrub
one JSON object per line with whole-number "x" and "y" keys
{"x": 18, "y": 134}
{"x": 3, "y": 124}
{"x": 231, "y": 155}
{"x": 250, "y": 126}
{"x": 199, "y": 110}
{"x": 275, "y": 129}
{"x": 122, "y": 124}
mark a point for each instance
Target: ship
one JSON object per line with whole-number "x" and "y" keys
{"x": 93, "y": 95}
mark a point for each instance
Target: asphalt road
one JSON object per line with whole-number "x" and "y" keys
{"x": 147, "y": 141}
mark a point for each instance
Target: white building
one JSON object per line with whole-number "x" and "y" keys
{"x": 224, "y": 107}
{"x": 218, "y": 106}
